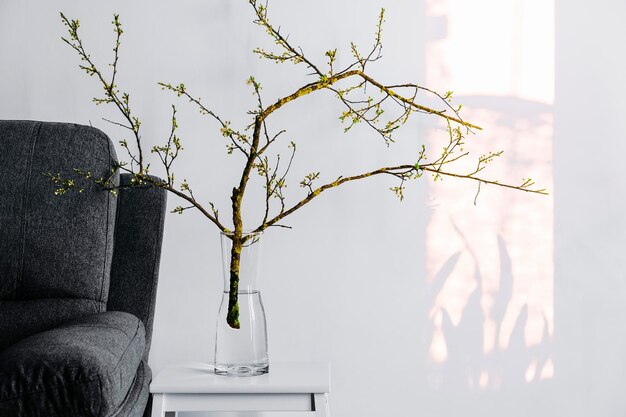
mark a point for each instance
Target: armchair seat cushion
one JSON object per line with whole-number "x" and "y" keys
{"x": 82, "y": 368}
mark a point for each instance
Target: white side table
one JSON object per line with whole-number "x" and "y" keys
{"x": 289, "y": 386}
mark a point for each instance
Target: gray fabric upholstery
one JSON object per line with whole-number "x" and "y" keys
{"x": 135, "y": 270}
{"x": 82, "y": 368}
{"x": 20, "y": 319}
{"x": 65, "y": 263}
{"x": 137, "y": 402}
{"x": 53, "y": 247}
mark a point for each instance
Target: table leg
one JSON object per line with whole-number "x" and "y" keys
{"x": 321, "y": 405}
{"x": 158, "y": 405}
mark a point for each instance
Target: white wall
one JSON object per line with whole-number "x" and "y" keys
{"x": 590, "y": 202}
{"x": 347, "y": 284}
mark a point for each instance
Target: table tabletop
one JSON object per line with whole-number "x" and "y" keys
{"x": 283, "y": 377}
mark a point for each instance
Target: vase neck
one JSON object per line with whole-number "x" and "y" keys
{"x": 246, "y": 269}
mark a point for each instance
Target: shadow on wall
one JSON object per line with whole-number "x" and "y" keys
{"x": 464, "y": 363}
{"x": 490, "y": 267}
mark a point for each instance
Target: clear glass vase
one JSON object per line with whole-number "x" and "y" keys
{"x": 243, "y": 351}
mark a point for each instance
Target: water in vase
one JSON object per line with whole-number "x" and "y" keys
{"x": 243, "y": 351}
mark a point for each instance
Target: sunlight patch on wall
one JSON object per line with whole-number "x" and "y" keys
{"x": 491, "y": 266}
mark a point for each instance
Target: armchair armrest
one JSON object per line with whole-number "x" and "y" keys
{"x": 84, "y": 367}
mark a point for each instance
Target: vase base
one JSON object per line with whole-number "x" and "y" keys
{"x": 252, "y": 369}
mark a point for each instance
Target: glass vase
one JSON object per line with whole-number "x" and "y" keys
{"x": 242, "y": 351}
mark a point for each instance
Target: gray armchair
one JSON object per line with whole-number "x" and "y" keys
{"x": 78, "y": 277}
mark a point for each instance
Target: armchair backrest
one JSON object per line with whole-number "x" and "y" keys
{"x": 137, "y": 252}
{"x": 55, "y": 251}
